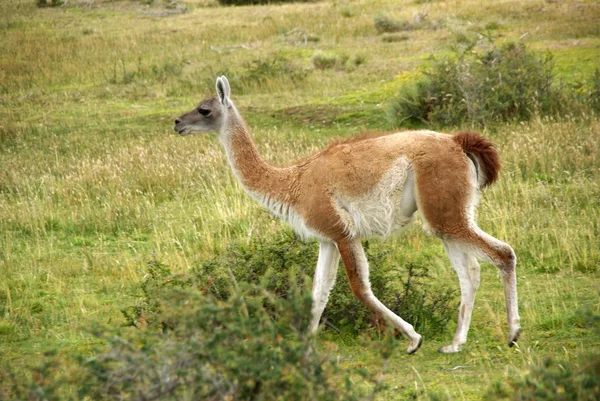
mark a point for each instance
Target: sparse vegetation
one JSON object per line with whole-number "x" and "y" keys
{"x": 94, "y": 184}
{"x": 253, "y": 2}
{"x": 325, "y": 61}
{"x": 263, "y": 72}
{"x": 554, "y": 380}
{"x": 587, "y": 92}
{"x": 384, "y": 24}
{"x": 347, "y": 12}
{"x": 49, "y": 3}
{"x": 561, "y": 379}
{"x": 394, "y": 37}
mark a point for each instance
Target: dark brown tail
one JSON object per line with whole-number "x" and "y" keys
{"x": 488, "y": 161}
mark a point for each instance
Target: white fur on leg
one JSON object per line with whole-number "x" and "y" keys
{"x": 467, "y": 270}
{"x": 327, "y": 265}
{"x": 509, "y": 277}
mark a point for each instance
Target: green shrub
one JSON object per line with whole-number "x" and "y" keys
{"x": 261, "y": 70}
{"x": 252, "y": 2}
{"x": 492, "y": 25}
{"x": 384, "y": 24}
{"x": 408, "y": 291}
{"x": 347, "y": 12}
{"x": 587, "y": 92}
{"x": 554, "y": 380}
{"x": 324, "y": 61}
{"x": 49, "y": 3}
{"x": 481, "y": 85}
{"x": 394, "y": 37}
{"x": 260, "y": 73}
{"x": 251, "y": 346}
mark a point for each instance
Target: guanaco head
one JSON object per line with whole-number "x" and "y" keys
{"x": 210, "y": 115}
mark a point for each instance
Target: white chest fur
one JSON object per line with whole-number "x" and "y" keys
{"x": 285, "y": 213}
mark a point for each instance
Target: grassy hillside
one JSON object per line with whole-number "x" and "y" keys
{"x": 94, "y": 183}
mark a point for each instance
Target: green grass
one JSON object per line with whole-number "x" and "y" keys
{"x": 93, "y": 181}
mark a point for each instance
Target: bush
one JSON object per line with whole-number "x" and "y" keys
{"x": 554, "y": 380}
{"x": 275, "y": 261}
{"x": 324, "y": 61}
{"x": 557, "y": 380}
{"x": 261, "y": 72}
{"x": 252, "y": 2}
{"x": 394, "y": 37}
{"x": 49, "y": 3}
{"x": 385, "y": 24}
{"x": 251, "y": 346}
{"x": 587, "y": 92}
{"x": 481, "y": 85}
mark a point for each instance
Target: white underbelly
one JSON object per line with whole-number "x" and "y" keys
{"x": 384, "y": 210}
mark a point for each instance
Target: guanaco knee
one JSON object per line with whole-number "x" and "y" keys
{"x": 361, "y": 291}
{"x": 499, "y": 253}
{"x": 507, "y": 260}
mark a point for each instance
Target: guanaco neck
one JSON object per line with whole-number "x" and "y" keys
{"x": 254, "y": 173}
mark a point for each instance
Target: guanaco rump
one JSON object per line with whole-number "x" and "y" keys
{"x": 373, "y": 187}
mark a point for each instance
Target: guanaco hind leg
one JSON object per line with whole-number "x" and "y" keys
{"x": 504, "y": 258}
{"x": 467, "y": 270}
{"x": 462, "y": 254}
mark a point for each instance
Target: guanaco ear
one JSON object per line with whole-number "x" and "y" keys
{"x": 223, "y": 90}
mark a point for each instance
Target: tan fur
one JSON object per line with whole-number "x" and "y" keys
{"x": 354, "y": 168}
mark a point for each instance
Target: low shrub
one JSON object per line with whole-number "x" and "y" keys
{"x": 253, "y": 2}
{"x": 557, "y": 379}
{"x": 253, "y": 345}
{"x": 394, "y": 37}
{"x": 235, "y": 327}
{"x": 408, "y": 291}
{"x": 481, "y": 84}
{"x": 384, "y": 24}
{"x": 347, "y": 12}
{"x": 587, "y": 91}
{"x": 324, "y": 61}
{"x": 554, "y": 380}
{"x": 49, "y": 3}
{"x": 261, "y": 72}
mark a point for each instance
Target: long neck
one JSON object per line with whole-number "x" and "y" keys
{"x": 254, "y": 173}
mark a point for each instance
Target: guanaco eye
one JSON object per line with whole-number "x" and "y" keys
{"x": 204, "y": 112}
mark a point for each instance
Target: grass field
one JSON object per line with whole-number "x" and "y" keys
{"x": 94, "y": 183}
